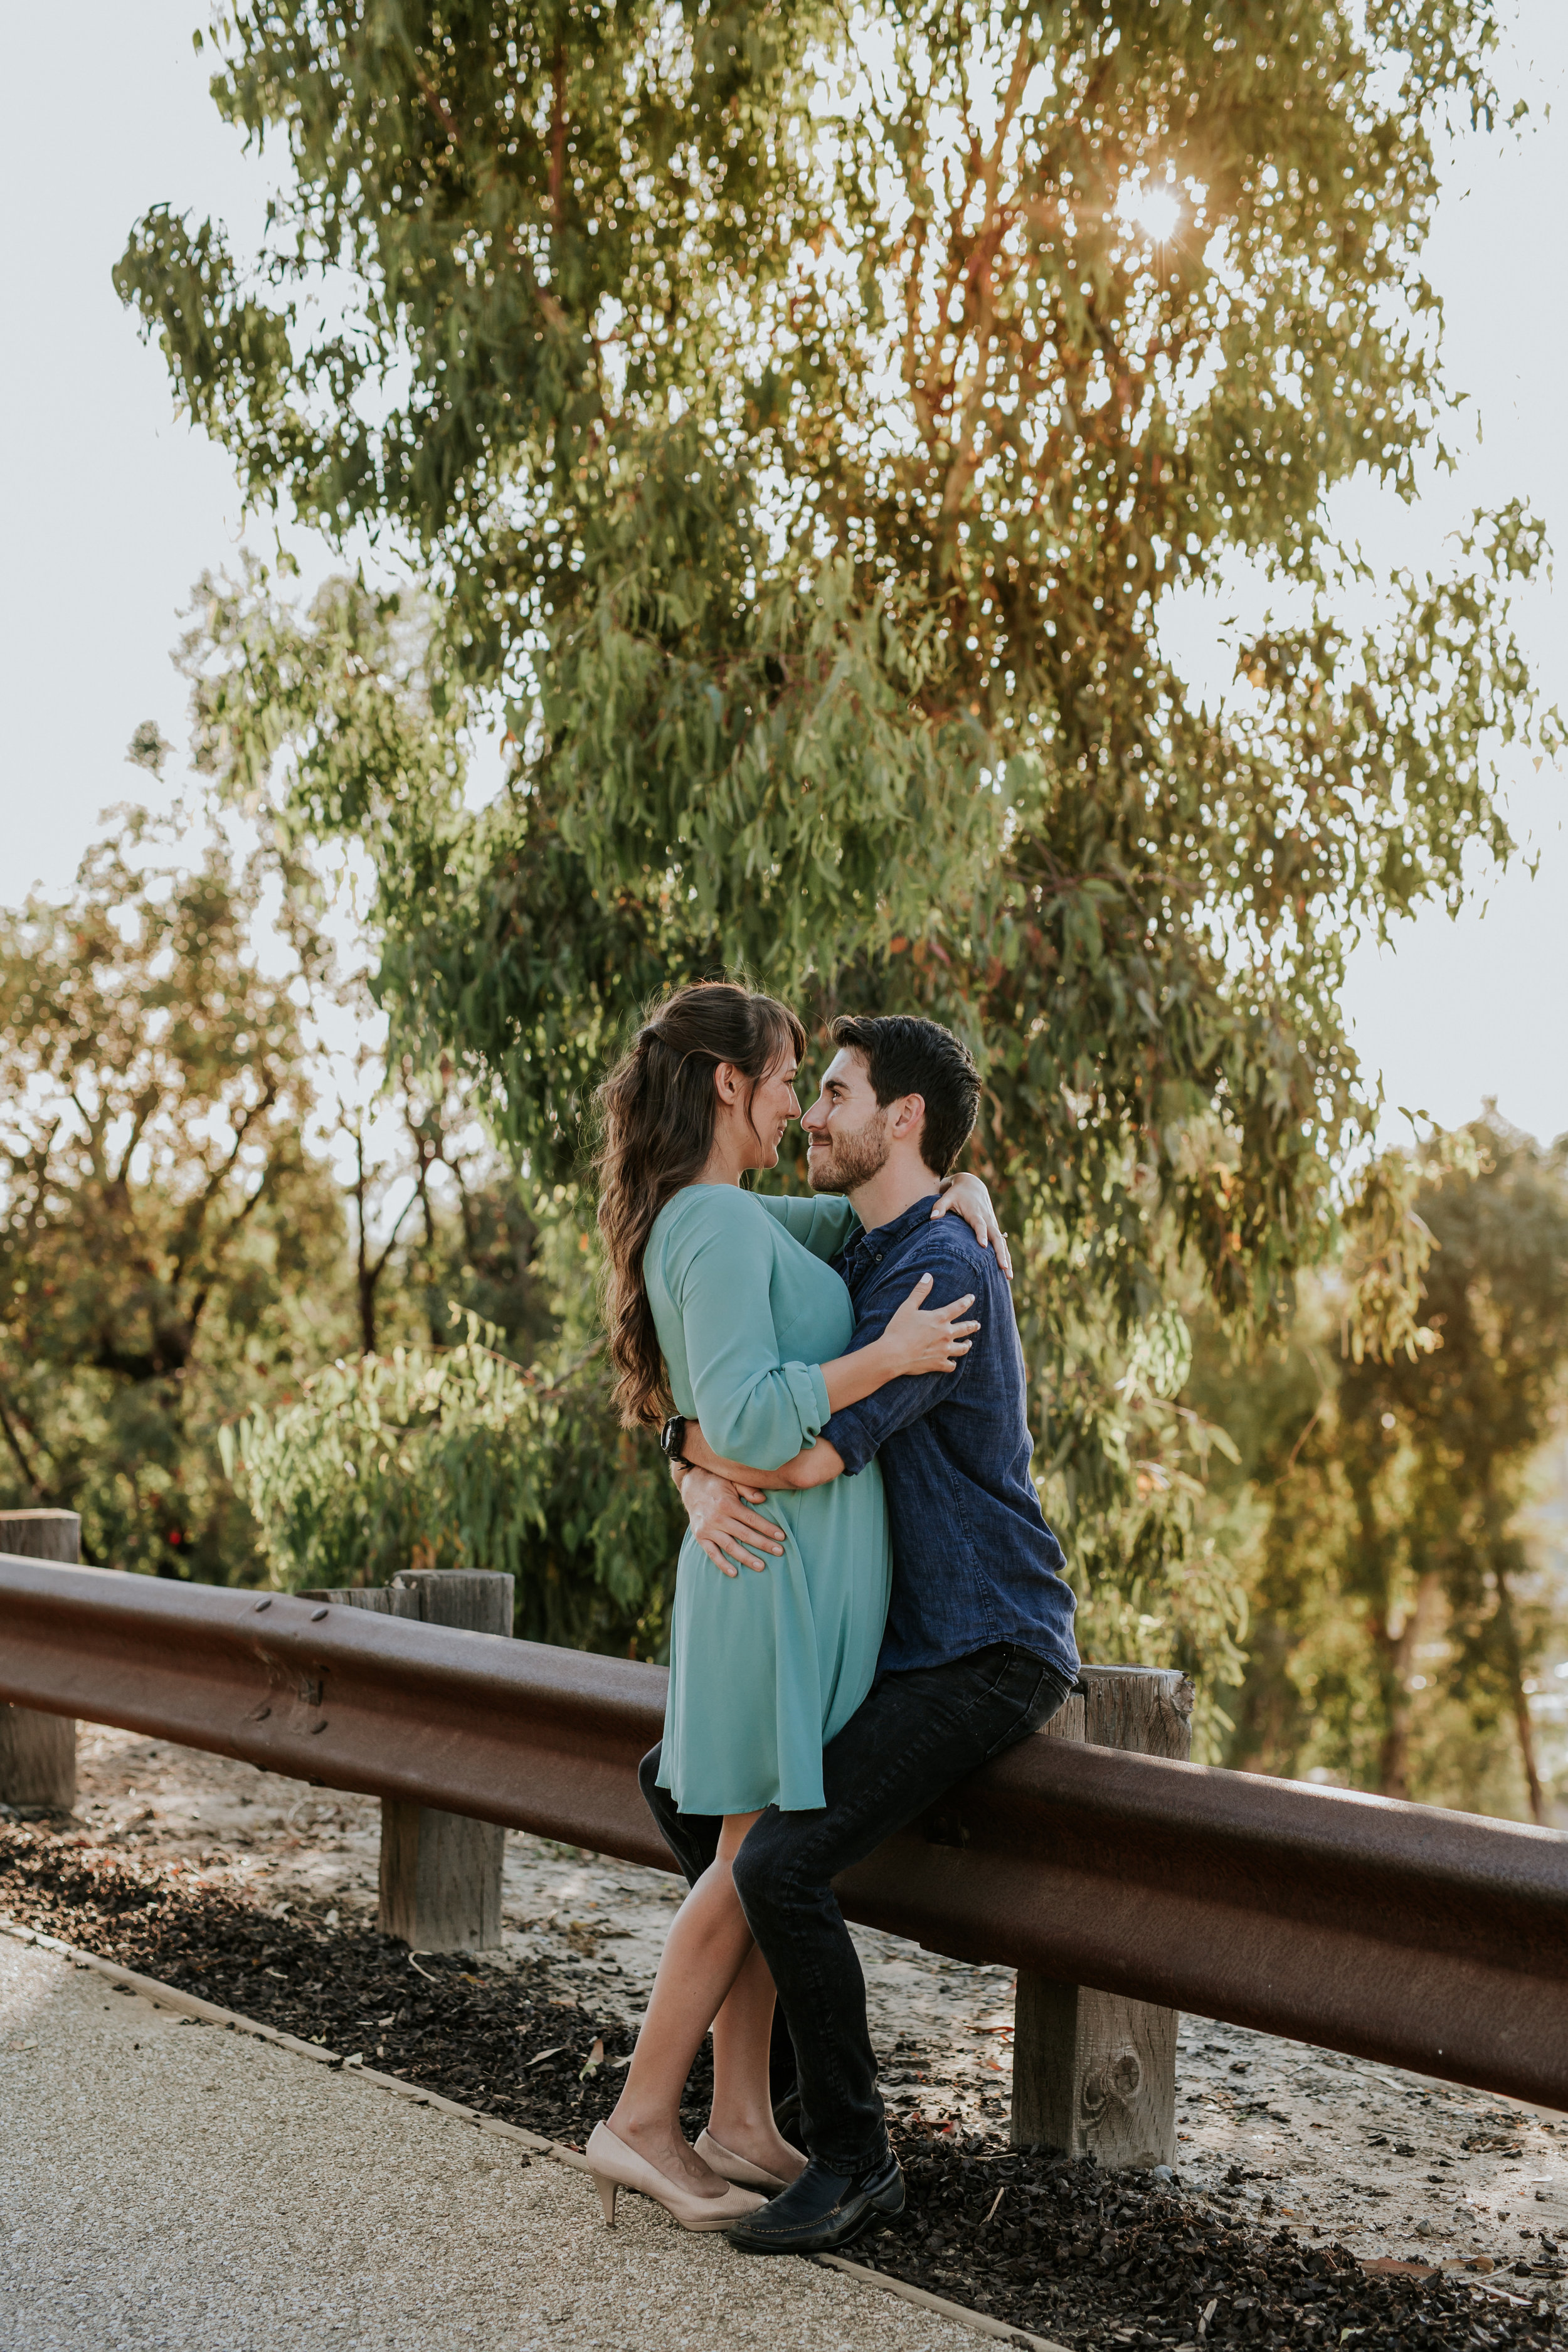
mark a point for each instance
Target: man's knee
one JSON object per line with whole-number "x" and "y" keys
{"x": 766, "y": 1869}
{"x": 692, "y": 1838}
{"x": 655, "y": 1798}
{"x": 662, "y": 1805}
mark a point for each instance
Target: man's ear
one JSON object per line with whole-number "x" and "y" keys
{"x": 908, "y": 1120}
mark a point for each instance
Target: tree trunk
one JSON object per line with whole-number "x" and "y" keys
{"x": 1397, "y": 1653}
{"x": 1523, "y": 1727}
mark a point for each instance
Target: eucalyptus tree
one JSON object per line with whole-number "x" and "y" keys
{"x": 1440, "y": 1455}
{"x": 803, "y": 417}
{"x": 1401, "y": 1603}
{"x": 169, "y": 1249}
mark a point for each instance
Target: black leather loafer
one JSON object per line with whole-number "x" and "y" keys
{"x": 821, "y": 2211}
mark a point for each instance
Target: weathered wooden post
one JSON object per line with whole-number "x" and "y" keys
{"x": 440, "y": 1873}
{"x": 37, "y": 1752}
{"x": 1093, "y": 2073}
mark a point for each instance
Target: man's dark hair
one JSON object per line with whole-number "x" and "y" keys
{"x": 904, "y": 1055}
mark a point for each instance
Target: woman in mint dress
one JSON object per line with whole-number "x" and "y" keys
{"x": 764, "y": 1670}
{"x": 723, "y": 1302}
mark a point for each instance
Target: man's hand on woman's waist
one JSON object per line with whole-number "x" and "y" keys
{"x": 722, "y": 1522}
{"x": 717, "y": 1496}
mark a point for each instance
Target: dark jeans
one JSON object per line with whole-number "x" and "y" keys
{"x": 915, "y": 1738}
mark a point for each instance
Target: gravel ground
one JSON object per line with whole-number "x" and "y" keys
{"x": 170, "y": 2184}
{"x": 1321, "y": 2151}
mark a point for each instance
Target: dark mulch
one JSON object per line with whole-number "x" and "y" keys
{"x": 1091, "y": 2259}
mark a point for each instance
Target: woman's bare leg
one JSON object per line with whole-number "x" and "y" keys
{"x": 706, "y": 1950}
{"x": 742, "y": 2115}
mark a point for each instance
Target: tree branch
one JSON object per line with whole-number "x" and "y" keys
{"x": 13, "y": 1441}
{"x": 978, "y": 269}
{"x": 558, "y": 136}
{"x": 142, "y": 1111}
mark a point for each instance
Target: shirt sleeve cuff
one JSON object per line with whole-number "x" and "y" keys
{"x": 850, "y": 1441}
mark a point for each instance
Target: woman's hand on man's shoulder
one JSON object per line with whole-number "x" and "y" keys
{"x": 971, "y": 1199}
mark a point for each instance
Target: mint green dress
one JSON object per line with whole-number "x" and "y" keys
{"x": 765, "y": 1667}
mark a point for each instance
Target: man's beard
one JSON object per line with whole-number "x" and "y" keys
{"x": 852, "y": 1159}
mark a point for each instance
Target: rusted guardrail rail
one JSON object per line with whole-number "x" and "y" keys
{"x": 1393, "y": 1931}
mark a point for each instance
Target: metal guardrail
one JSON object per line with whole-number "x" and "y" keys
{"x": 1393, "y": 1931}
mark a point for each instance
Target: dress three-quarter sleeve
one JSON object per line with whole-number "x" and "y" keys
{"x": 718, "y": 1260}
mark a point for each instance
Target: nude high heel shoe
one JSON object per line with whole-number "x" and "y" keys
{"x": 738, "y": 2168}
{"x": 614, "y": 2166}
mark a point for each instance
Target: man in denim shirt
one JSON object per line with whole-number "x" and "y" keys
{"x": 978, "y": 1650}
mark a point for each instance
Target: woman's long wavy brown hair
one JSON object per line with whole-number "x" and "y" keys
{"x": 656, "y": 1110}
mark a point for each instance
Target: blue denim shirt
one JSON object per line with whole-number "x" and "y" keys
{"x": 973, "y": 1561}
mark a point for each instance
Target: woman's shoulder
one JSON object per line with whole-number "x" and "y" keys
{"x": 699, "y": 1213}
{"x": 711, "y": 1226}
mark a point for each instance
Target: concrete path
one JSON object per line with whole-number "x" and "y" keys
{"x": 164, "y": 2182}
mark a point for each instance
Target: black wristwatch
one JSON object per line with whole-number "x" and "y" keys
{"x": 672, "y": 1437}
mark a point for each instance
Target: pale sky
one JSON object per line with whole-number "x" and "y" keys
{"x": 112, "y": 507}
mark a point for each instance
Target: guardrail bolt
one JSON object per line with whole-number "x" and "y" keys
{"x": 1093, "y": 2073}
{"x": 440, "y": 1873}
{"x": 37, "y": 1752}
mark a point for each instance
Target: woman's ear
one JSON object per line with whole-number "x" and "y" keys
{"x": 727, "y": 1082}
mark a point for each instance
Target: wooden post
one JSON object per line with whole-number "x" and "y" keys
{"x": 440, "y": 1873}
{"x": 37, "y": 1752}
{"x": 1093, "y": 2073}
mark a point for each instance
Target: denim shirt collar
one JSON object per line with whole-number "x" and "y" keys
{"x": 869, "y": 1249}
